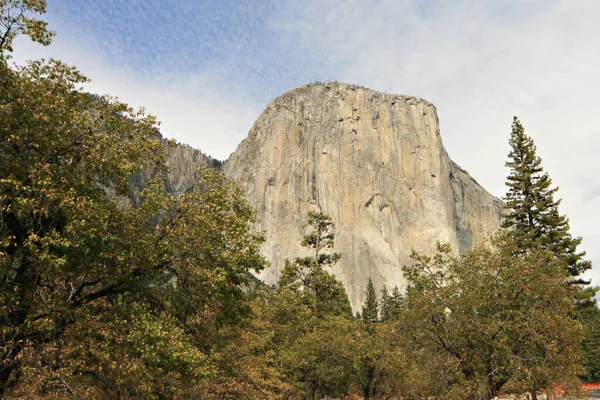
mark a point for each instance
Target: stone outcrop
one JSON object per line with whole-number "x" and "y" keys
{"x": 372, "y": 161}
{"x": 182, "y": 160}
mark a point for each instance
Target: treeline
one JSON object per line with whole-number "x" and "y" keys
{"x": 497, "y": 320}
{"x": 103, "y": 300}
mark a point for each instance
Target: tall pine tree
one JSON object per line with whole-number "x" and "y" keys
{"x": 535, "y": 222}
{"x": 320, "y": 289}
{"x": 370, "y": 311}
{"x": 385, "y": 305}
{"x": 531, "y": 212}
{"x": 390, "y": 304}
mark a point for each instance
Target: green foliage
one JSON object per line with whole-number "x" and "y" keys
{"x": 74, "y": 253}
{"x": 534, "y": 221}
{"x": 216, "y": 164}
{"x": 379, "y": 362}
{"x": 104, "y": 298}
{"x": 531, "y": 211}
{"x": 370, "y": 311}
{"x": 306, "y": 276}
{"x": 318, "y": 361}
{"x": 308, "y": 315}
{"x": 309, "y": 351}
{"x": 16, "y": 19}
{"x": 391, "y": 305}
{"x": 248, "y": 356}
{"x": 590, "y": 318}
{"x": 499, "y": 317}
{"x": 321, "y": 237}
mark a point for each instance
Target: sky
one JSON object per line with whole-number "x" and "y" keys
{"x": 208, "y": 68}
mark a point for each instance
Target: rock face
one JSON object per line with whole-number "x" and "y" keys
{"x": 375, "y": 163}
{"x": 183, "y": 161}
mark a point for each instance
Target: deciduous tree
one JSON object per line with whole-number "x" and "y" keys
{"x": 16, "y": 18}
{"x": 75, "y": 254}
{"x": 499, "y": 317}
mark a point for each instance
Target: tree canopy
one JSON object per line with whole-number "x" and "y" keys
{"x": 499, "y": 318}
{"x": 534, "y": 222}
{"x": 94, "y": 292}
{"x": 16, "y": 19}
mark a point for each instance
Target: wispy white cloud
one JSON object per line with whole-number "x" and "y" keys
{"x": 199, "y": 108}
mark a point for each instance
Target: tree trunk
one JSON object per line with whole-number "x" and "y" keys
{"x": 4, "y": 376}
{"x": 368, "y": 385}
{"x": 533, "y": 394}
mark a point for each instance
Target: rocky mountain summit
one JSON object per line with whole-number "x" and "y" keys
{"x": 374, "y": 162}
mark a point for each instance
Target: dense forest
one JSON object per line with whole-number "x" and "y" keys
{"x": 101, "y": 299}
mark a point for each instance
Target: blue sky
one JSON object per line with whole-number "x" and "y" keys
{"x": 239, "y": 38}
{"x": 207, "y": 69}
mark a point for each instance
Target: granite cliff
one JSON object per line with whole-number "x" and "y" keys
{"x": 376, "y": 164}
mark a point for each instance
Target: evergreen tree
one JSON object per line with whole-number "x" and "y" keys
{"x": 312, "y": 316}
{"x": 306, "y": 275}
{"x": 370, "y": 311}
{"x": 531, "y": 212}
{"x": 535, "y": 223}
{"x": 391, "y": 304}
{"x": 590, "y": 318}
{"x": 396, "y": 300}
{"x": 320, "y": 238}
{"x": 385, "y": 305}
